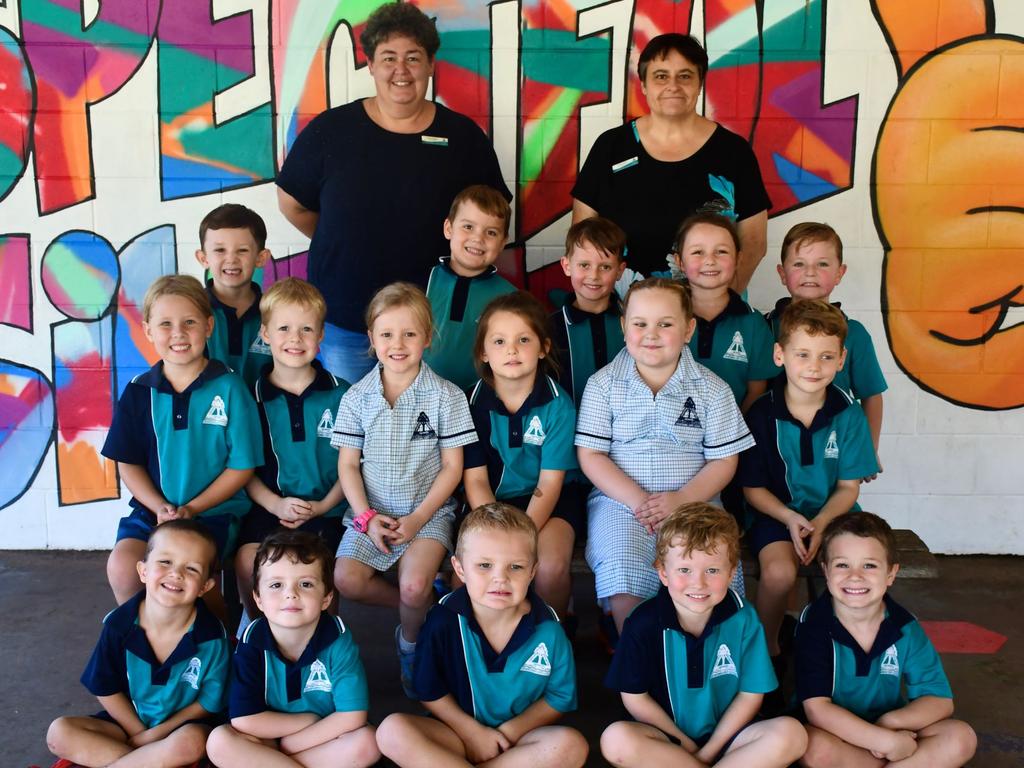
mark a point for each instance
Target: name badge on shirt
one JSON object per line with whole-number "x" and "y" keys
{"x": 436, "y": 141}
{"x": 621, "y": 166}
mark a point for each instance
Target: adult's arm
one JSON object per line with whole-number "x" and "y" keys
{"x": 297, "y": 214}
{"x": 581, "y": 211}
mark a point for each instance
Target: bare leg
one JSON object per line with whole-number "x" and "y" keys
{"x": 180, "y": 748}
{"x": 87, "y": 741}
{"x": 945, "y": 744}
{"x": 121, "y": 572}
{"x": 630, "y": 745}
{"x": 825, "y": 750}
{"x": 552, "y": 746}
{"x": 214, "y": 600}
{"x": 228, "y": 748}
{"x": 778, "y": 575}
{"x": 772, "y": 743}
{"x": 554, "y": 559}
{"x": 360, "y": 582}
{"x": 355, "y": 749}
{"x": 416, "y": 569}
{"x": 622, "y": 606}
{"x": 411, "y": 741}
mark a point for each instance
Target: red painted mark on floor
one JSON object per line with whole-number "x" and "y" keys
{"x": 962, "y": 637}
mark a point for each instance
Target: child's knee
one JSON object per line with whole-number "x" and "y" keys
{"x": 822, "y": 749}
{"x": 58, "y": 734}
{"x": 350, "y": 582}
{"x": 778, "y": 573}
{"x": 189, "y": 742}
{"x": 218, "y": 743}
{"x": 363, "y": 750}
{"x": 569, "y": 748}
{"x": 788, "y": 738}
{"x": 618, "y": 743}
{"x": 416, "y": 589}
{"x": 553, "y": 569}
{"x": 390, "y": 736}
{"x": 962, "y": 741}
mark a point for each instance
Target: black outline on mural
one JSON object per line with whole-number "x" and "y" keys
{"x": 213, "y": 106}
{"x": 42, "y": 281}
{"x": 53, "y": 430}
{"x": 873, "y": 186}
{"x": 88, "y": 112}
{"x": 31, "y": 294}
{"x": 30, "y": 133}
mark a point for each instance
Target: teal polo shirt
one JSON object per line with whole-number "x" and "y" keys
{"x": 185, "y": 440}
{"x": 801, "y": 465}
{"x": 515, "y": 447}
{"x": 831, "y": 664}
{"x": 457, "y": 303}
{"x": 584, "y": 343}
{"x": 297, "y": 430}
{"x": 861, "y": 376}
{"x": 693, "y": 679}
{"x": 328, "y": 677}
{"x": 236, "y": 341}
{"x": 196, "y": 671}
{"x": 737, "y": 345}
{"x": 454, "y": 657}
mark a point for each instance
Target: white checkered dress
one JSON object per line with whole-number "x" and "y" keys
{"x": 661, "y": 443}
{"x": 401, "y": 452}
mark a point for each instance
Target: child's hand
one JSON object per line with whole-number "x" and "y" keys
{"x": 812, "y": 546}
{"x": 655, "y": 509}
{"x": 292, "y": 512}
{"x": 903, "y": 745}
{"x": 166, "y": 512}
{"x": 484, "y": 743}
{"x": 871, "y": 477}
{"x": 799, "y": 527}
{"x": 185, "y": 512}
{"x": 379, "y": 531}
{"x": 405, "y": 530}
{"x": 142, "y": 738}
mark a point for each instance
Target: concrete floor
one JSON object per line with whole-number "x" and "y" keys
{"x": 52, "y": 604}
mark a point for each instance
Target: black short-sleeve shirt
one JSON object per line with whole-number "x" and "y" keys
{"x": 649, "y": 198}
{"x": 382, "y": 199}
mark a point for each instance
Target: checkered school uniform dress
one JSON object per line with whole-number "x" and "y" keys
{"x": 401, "y": 453}
{"x": 661, "y": 443}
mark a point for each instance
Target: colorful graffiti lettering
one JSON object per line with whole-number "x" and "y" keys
{"x": 26, "y": 427}
{"x": 947, "y": 202}
{"x": 15, "y": 282}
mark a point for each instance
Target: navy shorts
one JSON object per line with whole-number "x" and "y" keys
{"x": 764, "y": 531}
{"x": 141, "y": 522}
{"x": 258, "y": 523}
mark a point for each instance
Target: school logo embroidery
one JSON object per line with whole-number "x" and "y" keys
{"x": 688, "y": 418}
{"x": 326, "y": 426}
{"x": 890, "y": 662}
{"x": 216, "y": 415}
{"x": 259, "y": 346}
{"x": 832, "y": 446}
{"x": 724, "y": 664}
{"x": 191, "y": 673}
{"x": 538, "y": 663}
{"x": 318, "y": 679}
{"x": 423, "y": 429}
{"x": 736, "y": 350}
{"x": 534, "y": 434}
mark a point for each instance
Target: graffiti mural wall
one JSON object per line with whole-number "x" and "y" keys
{"x": 123, "y": 121}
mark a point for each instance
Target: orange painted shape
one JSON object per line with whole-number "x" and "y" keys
{"x": 84, "y": 475}
{"x": 919, "y": 27}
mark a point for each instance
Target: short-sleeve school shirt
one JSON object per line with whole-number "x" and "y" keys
{"x": 861, "y": 376}
{"x": 297, "y": 430}
{"x": 328, "y": 677}
{"x": 457, "y": 303}
{"x": 185, "y": 440}
{"x": 660, "y": 441}
{"x": 454, "y": 657}
{"x": 737, "y": 345}
{"x": 343, "y": 165}
{"x": 694, "y": 679}
{"x": 830, "y": 663}
{"x": 801, "y": 465}
{"x": 401, "y": 446}
{"x": 516, "y": 447}
{"x": 236, "y": 341}
{"x": 649, "y": 198}
{"x": 196, "y": 670}
{"x": 585, "y": 343}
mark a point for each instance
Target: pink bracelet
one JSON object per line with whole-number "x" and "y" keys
{"x": 362, "y": 522}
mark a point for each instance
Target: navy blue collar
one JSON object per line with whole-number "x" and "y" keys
{"x": 668, "y": 618}
{"x": 576, "y": 315}
{"x": 328, "y": 629}
{"x": 483, "y": 394}
{"x": 822, "y": 611}
{"x": 458, "y": 602}
{"x": 785, "y": 301}
{"x": 125, "y": 619}
{"x": 836, "y": 401}
{"x": 323, "y": 381}
{"x": 447, "y": 267}
{"x": 254, "y": 308}
{"x": 155, "y": 379}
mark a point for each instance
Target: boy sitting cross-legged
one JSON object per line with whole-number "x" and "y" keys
{"x": 160, "y": 669}
{"x": 857, "y": 649}
{"x": 493, "y": 665}
{"x": 298, "y": 691}
{"x": 691, "y": 664}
